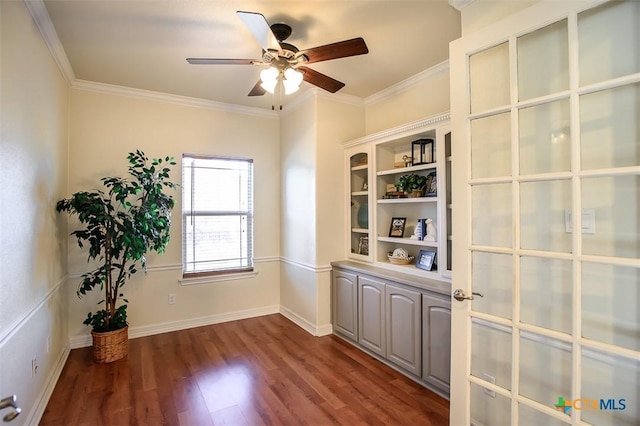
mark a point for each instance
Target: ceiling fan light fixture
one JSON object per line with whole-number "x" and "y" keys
{"x": 269, "y": 79}
{"x": 292, "y": 81}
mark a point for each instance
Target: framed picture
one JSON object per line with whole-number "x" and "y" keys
{"x": 432, "y": 185}
{"x": 363, "y": 246}
{"x": 426, "y": 260}
{"x": 397, "y": 227}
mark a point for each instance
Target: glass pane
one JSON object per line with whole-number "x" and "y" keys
{"x": 493, "y": 277}
{"x": 609, "y": 131}
{"x": 492, "y": 215}
{"x": 542, "y": 215}
{"x": 545, "y": 368}
{"x": 611, "y": 304}
{"x": 528, "y": 416}
{"x": 489, "y": 78}
{"x": 543, "y": 61}
{"x": 546, "y": 289}
{"x": 609, "y": 41}
{"x": 491, "y": 352}
{"x": 545, "y": 138}
{"x": 613, "y": 383}
{"x": 491, "y": 146}
{"x": 488, "y": 408}
{"x": 616, "y": 230}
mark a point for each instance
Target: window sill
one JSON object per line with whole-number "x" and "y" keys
{"x": 218, "y": 277}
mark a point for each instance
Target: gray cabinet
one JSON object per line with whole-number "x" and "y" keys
{"x": 436, "y": 341}
{"x": 403, "y": 328}
{"x": 371, "y": 315}
{"x": 404, "y": 322}
{"x": 344, "y": 308}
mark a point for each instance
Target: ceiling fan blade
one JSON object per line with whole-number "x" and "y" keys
{"x": 259, "y": 27}
{"x": 257, "y": 90}
{"x": 212, "y": 61}
{"x": 322, "y": 81}
{"x": 341, "y": 49}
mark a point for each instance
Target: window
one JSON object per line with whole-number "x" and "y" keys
{"x": 217, "y": 215}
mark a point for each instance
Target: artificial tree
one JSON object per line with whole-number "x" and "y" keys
{"x": 121, "y": 225}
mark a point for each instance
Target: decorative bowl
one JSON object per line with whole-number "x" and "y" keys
{"x": 399, "y": 257}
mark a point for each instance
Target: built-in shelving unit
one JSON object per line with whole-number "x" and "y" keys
{"x": 388, "y": 157}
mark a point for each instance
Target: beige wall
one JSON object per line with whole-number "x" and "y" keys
{"x": 480, "y": 13}
{"x": 421, "y": 96}
{"x": 33, "y": 150}
{"x": 104, "y": 128}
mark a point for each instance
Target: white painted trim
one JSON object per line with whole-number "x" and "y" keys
{"x": 111, "y": 89}
{"x": 307, "y": 266}
{"x": 40, "y": 404}
{"x": 324, "y": 330}
{"x": 217, "y": 278}
{"x": 399, "y": 131}
{"x": 84, "y": 340}
{"x": 17, "y": 324}
{"x": 178, "y": 267}
{"x": 407, "y": 84}
{"x": 41, "y": 17}
{"x": 460, "y": 4}
{"x": 298, "y": 320}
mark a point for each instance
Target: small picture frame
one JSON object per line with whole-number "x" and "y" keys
{"x": 432, "y": 185}
{"x": 426, "y": 260}
{"x": 363, "y": 246}
{"x": 396, "y": 229}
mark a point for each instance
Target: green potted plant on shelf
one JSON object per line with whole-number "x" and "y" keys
{"x": 412, "y": 184}
{"x": 120, "y": 226}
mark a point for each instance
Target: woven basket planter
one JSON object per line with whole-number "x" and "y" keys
{"x": 110, "y": 346}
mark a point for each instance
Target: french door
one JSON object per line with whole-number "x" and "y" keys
{"x": 546, "y": 215}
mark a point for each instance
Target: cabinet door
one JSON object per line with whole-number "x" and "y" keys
{"x": 436, "y": 341}
{"x": 403, "y": 328}
{"x": 344, "y": 304}
{"x": 371, "y": 313}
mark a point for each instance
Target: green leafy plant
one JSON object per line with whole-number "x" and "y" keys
{"x": 408, "y": 183}
{"x": 121, "y": 225}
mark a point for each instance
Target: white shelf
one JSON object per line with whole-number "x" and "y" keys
{"x": 407, "y": 200}
{"x": 356, "y": 193}
{"x": 362, "y": 167}
{"x": 402, "y": 170}
{"x": 360, "y": 230}
{"x": 408, "y": 241}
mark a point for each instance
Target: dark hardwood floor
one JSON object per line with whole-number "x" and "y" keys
{"x": 259, "y": 371}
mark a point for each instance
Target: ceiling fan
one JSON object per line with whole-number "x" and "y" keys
{"x": 286, "y": 62}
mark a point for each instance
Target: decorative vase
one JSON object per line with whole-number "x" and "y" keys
{"x": 363, "y": 216}
{"x": 110, "y": 346}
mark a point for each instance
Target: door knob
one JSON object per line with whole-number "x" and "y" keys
{"x": 10, "y": 401}
{"x": 460, "y": 296}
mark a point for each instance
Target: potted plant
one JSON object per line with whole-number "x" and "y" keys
{"x": 120, "y": 226}
{"x": 412, "y": 184}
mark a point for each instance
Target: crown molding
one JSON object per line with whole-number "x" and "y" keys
{"x": 111, "y": 89}
{"x": 460, "y": 4}
{"x": 40, "y": 15}
{"x": 400, "y": 131}
{"x": 407, "y": 84}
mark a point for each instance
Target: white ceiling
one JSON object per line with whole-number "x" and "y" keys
{"x": 143, "y": 44}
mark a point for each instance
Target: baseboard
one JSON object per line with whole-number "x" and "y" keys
{"x": 35, "y": 415}
{"x": 304, "y": 324}
{"x": 150, "y": 330}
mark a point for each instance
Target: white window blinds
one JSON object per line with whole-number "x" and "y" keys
{"x": 217, "y": 214}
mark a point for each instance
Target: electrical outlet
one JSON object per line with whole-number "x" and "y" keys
{"x": 489, "y": 379}
{"x": 172, "y": 299}
{"x": 34, "y": 366}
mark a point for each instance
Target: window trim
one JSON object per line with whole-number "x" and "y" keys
{"x": 199, "y": 277}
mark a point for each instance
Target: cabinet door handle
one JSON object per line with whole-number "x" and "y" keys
{"x": 10, "y": 401}
{"x": 460, "y": 296}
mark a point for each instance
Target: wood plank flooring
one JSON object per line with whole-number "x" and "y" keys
{"x": 259, "y": 371}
